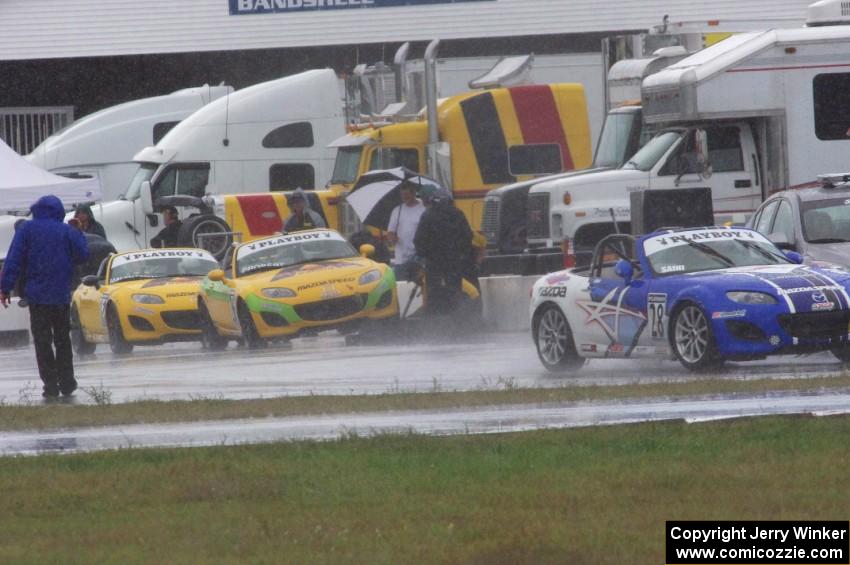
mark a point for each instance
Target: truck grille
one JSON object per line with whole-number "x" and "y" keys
{"x": 182, "y": 319}
{"x": 332, "y": 309}
{"x": 490, "y": 220}
{"x": 538, "y": 215}
{"x": 816, "y": 325}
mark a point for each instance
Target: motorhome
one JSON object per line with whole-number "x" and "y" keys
{"x": 756, "y": 113}
{"x": 102, "y": 145}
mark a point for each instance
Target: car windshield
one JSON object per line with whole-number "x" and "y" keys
{"x": 287, "y": 250}
{"x": 145, "y": 172}
{"x": 346, "y": 165}
{"x": 160, "y": 264}
{"x": 826, "y": 221}
{"x": 678, "y": 253}
{"x": 654, "y": 150}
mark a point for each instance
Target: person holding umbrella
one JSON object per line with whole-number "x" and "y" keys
{"x": 404, "y": 220}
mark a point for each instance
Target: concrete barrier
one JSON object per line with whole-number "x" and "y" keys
{"x": 505, "y": 300}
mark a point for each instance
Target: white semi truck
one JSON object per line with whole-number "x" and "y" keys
{"x": 102, "y": 145}
{"x": 753, "y": 114}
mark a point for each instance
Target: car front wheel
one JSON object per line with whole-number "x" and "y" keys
{"x": 693, "y": 340}
{"x": 78, "y": 339}
{"x": 117, "y": 342}
{"x": 210, "y": 337}
{"x": 554, "y": 341}
{"x": 250, "y": 335}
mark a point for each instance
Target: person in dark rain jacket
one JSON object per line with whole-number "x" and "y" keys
{"x": 168, "y": 236}
{"x": 444, "y": 240}
{"x": 87, "y": 222}
{"x": 50, "y": 249}
{"x": 302, "y": 217}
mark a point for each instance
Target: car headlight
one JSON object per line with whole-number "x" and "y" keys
{"x": 750, "y": 297}
{"x": 370, "y": 277}
{"x": 278, "y": 293}
{"x": 148, "y": 299}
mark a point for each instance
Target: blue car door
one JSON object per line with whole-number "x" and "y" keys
{"x": 618, "y": 309}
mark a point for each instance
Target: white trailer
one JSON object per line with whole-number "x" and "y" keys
{"x": 753, "y": 114}
{"x": 102, "y": 144}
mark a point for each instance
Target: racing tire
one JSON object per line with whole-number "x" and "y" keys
{"x": 210, "y": 338}
{"x": 842, "y": 353}
{"x": 117, "y": 342}
{"x": 553, "y": 339}
{"x": 692, "y": 339}
{"x": 250, "y": 336}
{"x": 78, "y": 340}
{"x": 194, "y": 227}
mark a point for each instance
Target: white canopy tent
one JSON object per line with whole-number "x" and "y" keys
{"x": 22, "y": 183}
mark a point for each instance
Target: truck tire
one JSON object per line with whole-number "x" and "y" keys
{"x": 203, "y": 224}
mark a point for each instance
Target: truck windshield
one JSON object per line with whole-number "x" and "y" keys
{"x": 347, "y": 164}
{"x": 650, "y": 154}
{"x": 616, "y": 139}
{"x": 145, "y": 172}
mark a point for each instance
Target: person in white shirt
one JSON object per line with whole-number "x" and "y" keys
{"x": 404, "y": 219}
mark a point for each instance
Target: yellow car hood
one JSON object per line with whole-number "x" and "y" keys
{"x": 166, "y": 287}
{"x": 315, "y": 280}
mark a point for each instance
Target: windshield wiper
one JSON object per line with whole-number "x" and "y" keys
{"x": 711, "y": 252}
{"x": 829, "y": 240}
{"x": 761, "y": 251}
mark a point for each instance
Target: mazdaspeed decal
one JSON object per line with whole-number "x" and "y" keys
{"x": 170, "y": 280}
{"x": 305, "y": 268}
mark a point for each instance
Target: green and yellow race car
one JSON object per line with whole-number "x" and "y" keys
{"x": 280, "y": 286}
{"x": 141, "y": 297}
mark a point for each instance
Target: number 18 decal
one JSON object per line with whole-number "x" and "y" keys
{"x": 656, "y": 308}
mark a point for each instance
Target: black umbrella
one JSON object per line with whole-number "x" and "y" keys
{"x": 376, "y": 194}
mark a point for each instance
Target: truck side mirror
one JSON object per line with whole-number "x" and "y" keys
{"x": 147, "y": 197}
{"x": 701, "y": 149}
{"x": 626, "y": 270}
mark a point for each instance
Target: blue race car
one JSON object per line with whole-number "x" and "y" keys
{"x": 701, "y": 296}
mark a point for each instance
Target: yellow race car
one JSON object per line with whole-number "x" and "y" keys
{"x": 280, "y": 286}
{"x": 140, "y": 297}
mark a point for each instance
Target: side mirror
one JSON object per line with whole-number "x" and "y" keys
{"x": 780, "y": 240}
{"x": 367, "y": 250}
{"x": 147, "y": 197}
{"x": 91, "y": 280}
{"x": 216, "y": 275}
{"x": 701, "y": 148}
{"x": 625, "y": 269}
{"x": 794, "y": 257}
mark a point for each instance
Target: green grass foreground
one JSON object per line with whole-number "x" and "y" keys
{"x": 592, "y": 495}
{"x": 60, "y": 415}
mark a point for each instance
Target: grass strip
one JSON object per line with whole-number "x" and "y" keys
{"x": 55, "y": 416}
{"x": 590, "y": 495}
